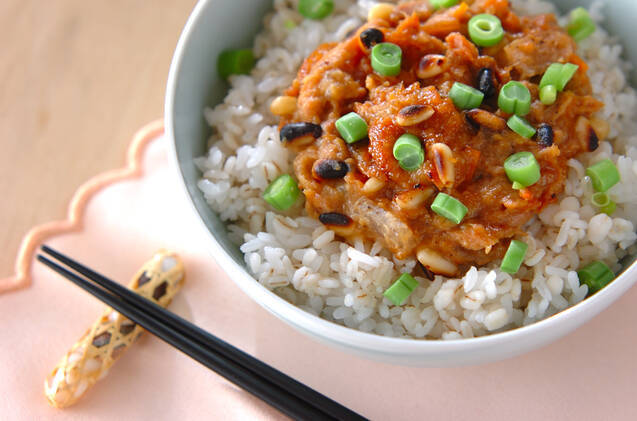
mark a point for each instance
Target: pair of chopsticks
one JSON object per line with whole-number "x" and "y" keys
{"x": 263, "y": 381}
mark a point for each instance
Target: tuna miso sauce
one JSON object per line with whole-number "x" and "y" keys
{"x": 402, "y": 130}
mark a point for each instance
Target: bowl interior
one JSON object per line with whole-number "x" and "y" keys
{"x": 193, "y": 83}
{"x": 197, "y": 85}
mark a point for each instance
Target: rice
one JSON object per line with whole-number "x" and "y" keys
{"x": 303, "y": 262}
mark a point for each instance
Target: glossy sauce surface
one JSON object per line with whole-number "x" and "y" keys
{"x": 464, "y": 150}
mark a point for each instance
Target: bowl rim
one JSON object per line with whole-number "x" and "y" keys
{"x": 562, "y": 322}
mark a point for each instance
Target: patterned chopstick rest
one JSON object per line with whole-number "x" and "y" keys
{"x": 90, "y": 358}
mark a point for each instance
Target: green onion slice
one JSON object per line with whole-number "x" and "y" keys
{"x": 514, "y": 257}
{"x": 596, "y": 275}
{"x": 599, "y": 199}
{"x": 521, "y": 126}
{"x": 316, "y": 9}
{"x": 485, "y": 30}
{"x": 603, "y": 202}
{"x": 449, "y": 207}
{"x": 522, "y": 168}
{"x": 558, "y": 75}
{"x": 282, "y": 193}
{"x": 408, "y": 152}
{"x": 548, "y": 95}
{"x": 604, "y": 175}
{"x": 567, "y": 73}
{"x": 386, "y": 59}
{"x": 352, "y": 127}
{"x": 515, "y": 98}
{"x": 580, "y": 25}
{"x": 439, "y": 4}
{"x": 235, "y": 62}
{"x": 552, "y": 76}
{"x": 401, "y": 289}
{"x": 609, "y": 209}
{"x": 465, "y": 97}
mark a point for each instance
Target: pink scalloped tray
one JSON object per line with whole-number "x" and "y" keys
{"x": 118, "y": 219}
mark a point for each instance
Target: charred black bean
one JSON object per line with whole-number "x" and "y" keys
{"x": 371, "y": 37}
{"x": 545, "y": 135}
{"x": 330, "y": 169}
{"x": 486, "y": 82}
{"x": 593, "y": 140}
{"x": 292, "y": 131}
{"x": 334, "y": 218}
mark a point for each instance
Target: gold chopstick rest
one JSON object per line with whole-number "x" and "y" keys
{"x": 90, "y": 358}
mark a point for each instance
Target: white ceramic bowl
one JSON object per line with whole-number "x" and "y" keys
{"x": 193, "y": 83}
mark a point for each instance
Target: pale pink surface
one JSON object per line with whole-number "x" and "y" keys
{"x": 587, "y": 375}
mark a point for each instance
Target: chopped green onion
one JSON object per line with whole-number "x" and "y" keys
{"x": 408, "y": 152}
{"x": 408, "y": 280}
{"x": 352, "y": 127}
{"x": 401, "y": 289}
{"x": 548, "y": 95}
{"x": 465, "y": 97}
{"x": 449, "y": 207}
{"x": 580, "y": 25}
{"x": 282, "y": 192}
{"x": 596, "y": 275}
{"x": 599, "y": 199}
{"x": 558, "y": 75}
{"x": 567, "y": 73}
{"x": 485, "y": 30}
{"x": 515, "y": 98}
{"x": 604, "y": 175}
{"x": 517, "y": 186}
{"x": 397, "y": 293}
{"x": 514, "y": 257}
{"x": 551, "y": 76}
{"x": 604, "y": 203}
{"x": 521, "y": 126}
{"x": 609, "y": 209}
{"x": 386, "y": 59}
{"x": 523, "y": 168}
{"x": 235, "y": 62}
{"x": 289, "y": 24}
{"x": 316, "y": 9}
{"x": 439, "y": 4}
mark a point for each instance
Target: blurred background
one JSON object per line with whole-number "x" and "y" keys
{"x": 77, "y": 79}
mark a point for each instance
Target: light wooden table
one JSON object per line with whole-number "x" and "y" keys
{"x": 77, "y": 78}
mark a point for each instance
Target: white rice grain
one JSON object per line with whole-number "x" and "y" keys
{"x": 306, "y": 264}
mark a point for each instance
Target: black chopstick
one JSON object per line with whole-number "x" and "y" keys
{"x": 265, "y": 382}
{"x": 206, "y": 339}
{"x": 266, "y": 391}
